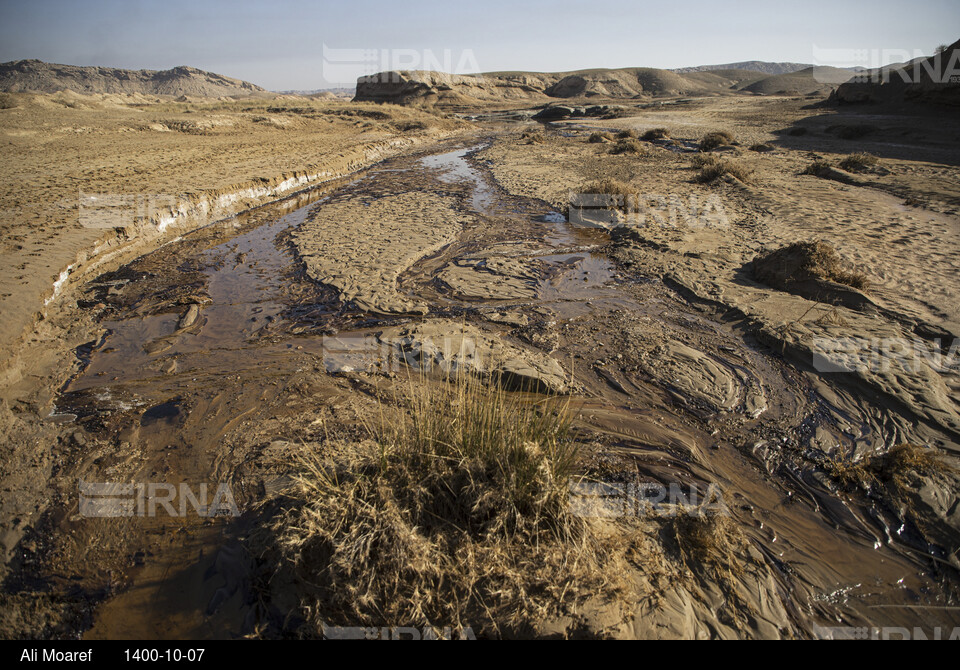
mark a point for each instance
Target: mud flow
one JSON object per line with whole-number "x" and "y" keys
{"x": 222, "y": 342}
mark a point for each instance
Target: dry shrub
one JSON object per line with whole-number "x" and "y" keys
{"x": 599, "y": 137}
{"x": 714, "y": 548}
{"x": 627, "y": 134}
{"x": 894, "y": 467}
{"x": 532, "y": 137}
{"x": 761, "y": 148}
{"x": 804, "y": 261}
{"x": 456, "y": 514}
{"x": 613, "y": 187}
{"x": 817, "y": 168}
{"x": 715, "y": 139}
{"x": 628, "y": 147}
{"x": 859, "y": 162}
{"x": 656, "y": 134}
{"x": 7, "y": 101}
{"x": 711, "y": 171}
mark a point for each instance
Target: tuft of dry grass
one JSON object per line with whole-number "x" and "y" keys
{"x": 859, "y": 162}
{"x": 599, "y": 137}
{"x": 656, "y": 134}
{"x": 713, "y": 170}
{"x": 761, "y": 148}
{"x": 817, "y": 168}
{"x": 628, "y": 147}
{"x": 802, "y": 261}
{"x": 7, "y": 101}
{"x": 895, "y": 466}
{"x": 628, "y": 134}
{"x": 532, "y": 137}
{"x": 455, "y": 514}
{"x": 715, "y": 139}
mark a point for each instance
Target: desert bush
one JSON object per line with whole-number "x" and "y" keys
{"x": 713, "y": 171}
{"x": 656, "y": 134}
{"x": 456, "y": 512}
{"x": 598, "y": 137}
{"x": 7, "y": 101}
{"x": 715, "y": 139}
{"x": 859, "y": 162}
{"x": 703, "y": 160}
{"x": 628, "y": 147}
{"x": 761, "y": 148}
{"x": 803, "y": 261}
{"x": 817, "y": 168}
{"x": 627, "y": 134}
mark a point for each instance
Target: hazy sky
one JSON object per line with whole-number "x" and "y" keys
{"x": 280, "y": 44}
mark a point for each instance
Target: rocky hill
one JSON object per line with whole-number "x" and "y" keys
{"x": 424, "y": 87}
{"x": 933, "y": 80}
{"x": 40, "y": 77}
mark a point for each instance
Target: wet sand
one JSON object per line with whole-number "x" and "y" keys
{"x": 214, "y": 357}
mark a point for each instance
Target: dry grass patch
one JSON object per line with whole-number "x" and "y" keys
{"x": 599, "y": 137}
{"x": 628, "y": 147}
{"x": 802, "y": 262}
{"x": 715, "y": 169}
{"x": 715, "y": 140}
{"x": 656, "y": 134}
{"x": 628, "y": 134}
{"x": 455, "y": 514}
{"x": 859, "y": 162}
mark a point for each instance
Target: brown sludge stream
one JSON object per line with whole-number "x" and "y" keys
{"x": 219, "y": 344}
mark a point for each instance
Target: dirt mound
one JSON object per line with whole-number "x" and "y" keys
{"x": 40, "y": 77}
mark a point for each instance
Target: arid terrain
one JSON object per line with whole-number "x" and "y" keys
{"x": 418, "y": 341}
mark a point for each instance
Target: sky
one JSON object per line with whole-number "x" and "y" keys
{"x": 295, "y": 44}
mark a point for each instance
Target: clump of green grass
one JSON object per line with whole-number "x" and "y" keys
{"x": 627, "y": 134}
{"x": 715, "y": 140}
{"x": 628, "y": 147}
{"x": 711, "y": 171}
{"x": 656, "y": 134}
{"x": 599, "y": 137}
{"x": 859, "y": 162}
{"x": 455, "y": 513}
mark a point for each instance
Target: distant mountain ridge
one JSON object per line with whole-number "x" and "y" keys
{"x": 750, "y": 65}
{"x": 427, "y": 87}
{"x": 41, "y": 77}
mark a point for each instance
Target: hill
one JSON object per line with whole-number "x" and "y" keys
{"x": 932, "y": 80}
{"x": 40, "y": 77}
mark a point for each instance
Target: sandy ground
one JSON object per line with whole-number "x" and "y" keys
{"x": 209, "y": 359}
{"x": 57, "y": 147}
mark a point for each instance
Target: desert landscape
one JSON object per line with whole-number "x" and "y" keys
{"x": 627, "y": 353}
